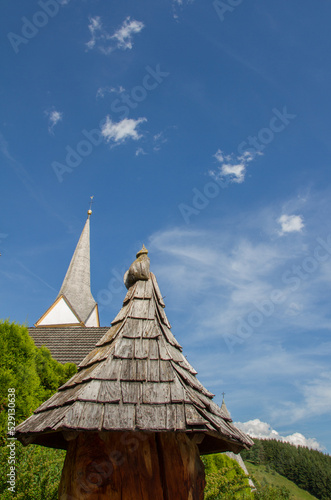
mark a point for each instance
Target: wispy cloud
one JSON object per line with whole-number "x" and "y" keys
{"x": 226, "y": 278}
{"x": 102, "y": 91}
{"x": 290, "y": 223}
{"x": 140, "y": 151}
{"x": 158, "y": 140}
{"x": 256, "y": 428}
{"x": 232, "y": 167}
{"x": 54, "y": 117}
{"x": 178, "y": 5}
{"x": 120, "y": 131}
{"x": 121, "y": 39}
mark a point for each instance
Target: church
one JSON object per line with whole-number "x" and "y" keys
{"x": 70, "y": 327}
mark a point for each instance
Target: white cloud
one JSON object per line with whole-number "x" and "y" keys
{"x": 94, "y": 27}
{"x": 54, "y": 117}
{"x": 262, "y": 430}
{"x": 107, "y": 43}
{"x": 124, "y": 34}
{"x": 120, "y": 131}
{"x": 233, "y": 167}
{"x": 102, "y": 91}
{"x": 290, "y": 223}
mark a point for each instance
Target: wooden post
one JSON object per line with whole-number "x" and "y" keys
{"x": 132, "y": 466}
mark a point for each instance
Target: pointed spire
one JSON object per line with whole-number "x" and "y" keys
{"x": 75, "y": 304}
{"x": 224, "y": 408}
{"x": 76, "y": 286}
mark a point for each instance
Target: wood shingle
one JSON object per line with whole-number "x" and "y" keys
{"x": 136, "y": 379}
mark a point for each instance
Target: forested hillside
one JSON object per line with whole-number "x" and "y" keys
{"x": 309, "y": 469}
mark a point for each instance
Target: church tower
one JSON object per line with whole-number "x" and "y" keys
{"x": 70, "y": 327}
{"x": 75, "y": 305}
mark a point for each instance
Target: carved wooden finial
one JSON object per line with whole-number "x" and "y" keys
{"x": 139, "y": 269}
{"x": 143, "y": 251}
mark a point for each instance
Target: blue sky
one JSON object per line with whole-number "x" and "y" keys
{"x": 203, "y": 131}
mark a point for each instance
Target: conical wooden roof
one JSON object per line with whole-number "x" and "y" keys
{"x": 135, "y": 379}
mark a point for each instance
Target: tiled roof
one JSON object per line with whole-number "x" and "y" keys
{"x": 68, "y": 344}
{"x": 136, "y": 379}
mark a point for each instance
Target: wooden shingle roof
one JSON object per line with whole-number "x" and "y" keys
{"x": 135, "y": 379}
{"x": 68, "y": 344}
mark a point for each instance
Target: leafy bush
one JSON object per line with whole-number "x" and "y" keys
{"x": 35, "y": 376}
{"x": 225, "y": 479}
{"x": 38, "y": 472}
{"x": 31, "y": 371}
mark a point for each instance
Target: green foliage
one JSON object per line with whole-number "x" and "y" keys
{"x": 32, "y": 372}
{"x": 309, "y": 469}
{"x": 51, "y": 373}
{"x": 35, "y": 376}
{"x": 38, "y": 472}
{"x": 265, "y": 480}
{"x": 267, "y": 491}
{"x": 225, "y": 479}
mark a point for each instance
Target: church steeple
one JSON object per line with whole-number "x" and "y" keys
{"x": 75, "y": 305}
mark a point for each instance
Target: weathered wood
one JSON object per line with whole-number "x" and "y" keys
{"x": 169, "y": 336}
{"x": 157, "y": 291}
{"x": 142, "y": 309}
{"x": 132, "y": 466}
{"x": 151, "y": 417}
{"x": 96, "y": 355}
{"x": 167, "y": 373}
{"x": 118, "y": 417}
{"x": 192, "y": 381}
{"x": 143, "y": 290}
{"x": 124, "y": 348}
{"x": 151, "y": 330}
{"x": 153, "y": 349}
{"x": 108, "y": 370}
{"x": 109, "y": 392}
{"x": 123, "y": 313}
{"x": 155, "y": 393}
{"x": 131, "y": 392}
{"x": 141, "y": 348}
{"x": 128, "y": 370}
{"x": 153, "y": 370}
{"x": 193, "y": 417}
{"x": 141, "y": 374}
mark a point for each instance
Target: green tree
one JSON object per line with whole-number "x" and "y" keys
{"x": 30, "y": 371}
{"x": 225, "y": 479}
